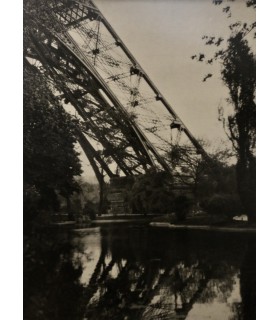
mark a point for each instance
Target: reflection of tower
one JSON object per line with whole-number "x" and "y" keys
{"x": 95, "y": 75}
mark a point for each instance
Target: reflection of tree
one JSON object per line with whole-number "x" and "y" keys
{"x": 51, "y": 282}
{"x": 189, "y": 285}
{"x": 236, "y": 309}
{"x": 157, "y": 283}
{"x": 138, "y": 275}
{"x": 248, "y": 282}
{"x": 187, "y": 305}
{"x": 98, "y": 273}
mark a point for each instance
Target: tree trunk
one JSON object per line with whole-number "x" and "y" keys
{"x": 246, "y": 183}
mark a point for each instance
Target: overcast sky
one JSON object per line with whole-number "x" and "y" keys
{"x": 163, "y": 35}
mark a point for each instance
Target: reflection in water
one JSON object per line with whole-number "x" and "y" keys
{"x": 51, "y": 282}
{"x": 140, "y": 273}
{"x": 88, "y": 257}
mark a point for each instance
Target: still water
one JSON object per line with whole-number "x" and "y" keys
{"x": 131, "y": 272}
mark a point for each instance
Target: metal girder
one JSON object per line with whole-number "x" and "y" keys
{"x": 111, "y": 92}
{"x": 152, "y": 85}
{"x": 118, "y": 121}
{"x": 94, "y": 157}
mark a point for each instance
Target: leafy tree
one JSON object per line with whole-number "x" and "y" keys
{"x": 50, "y": 279}
{"x": 205, "y": 178}
{"x": 239, "y": 76}
{"x": 182, "y": 205}
{"x": 89, "y": 210}
{"x": 50, "y": 159}
{"x": 151, "y": 194}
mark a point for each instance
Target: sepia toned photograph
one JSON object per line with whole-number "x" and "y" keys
{"x": 139, "y": 159}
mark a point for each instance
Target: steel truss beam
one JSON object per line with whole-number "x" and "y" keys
{"x": 93, "y": 70}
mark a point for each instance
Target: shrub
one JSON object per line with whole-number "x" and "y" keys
{"x": 89, "y": 210}
{"x": 151, "y": 194}
{"x": 222, "y": 204}
{"x": 169, "y": 217}
{"x": 182, "y": 206}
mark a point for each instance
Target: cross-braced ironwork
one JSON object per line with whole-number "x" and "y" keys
{"x": 128, "y": 126}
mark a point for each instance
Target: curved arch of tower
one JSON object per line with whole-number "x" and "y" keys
{"x": 128, "y": 127}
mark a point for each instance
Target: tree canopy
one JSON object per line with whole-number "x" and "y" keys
{"x": 238, "y": 73}
{"x": 50, "y": 160}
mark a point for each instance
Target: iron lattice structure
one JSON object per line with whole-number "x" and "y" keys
{"x": 128, "y": 126}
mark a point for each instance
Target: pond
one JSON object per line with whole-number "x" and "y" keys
{"x": 131, "y": 272}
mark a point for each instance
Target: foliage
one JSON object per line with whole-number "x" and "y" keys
{"x": 150, "y": 194}
{"x": 168, "y": 217}
{"x": 207, "y": 178}
{"x": 51, "y": 281}
{"x": 74, "y": 206}
{"x": 223, "y": 204}
{"x": 238, "y": 73}
{"x": 217, "y": 177}
{"x": 182, "y": 205}
{"x": 89, "y": 210}
{"x": 89, "y": 190}
{"x": 50, "y": 159}
{"x": 193, "y": 167}
{"x": 197, "y": 269}
{"x": 31, "y": 199}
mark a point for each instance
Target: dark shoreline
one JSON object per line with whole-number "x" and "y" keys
{"x": 148, "y": 220}
{"x": 200, "y": 227}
